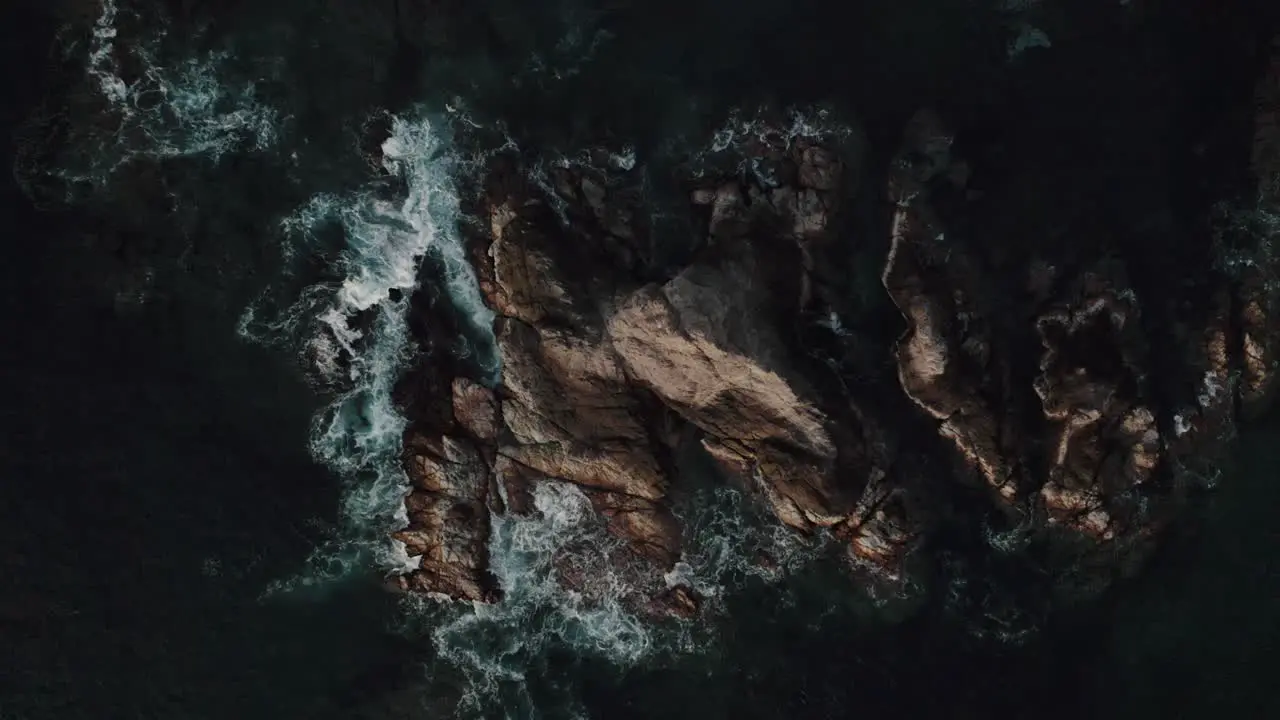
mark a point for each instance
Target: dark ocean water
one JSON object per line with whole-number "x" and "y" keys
{"x": 156, "y": 478}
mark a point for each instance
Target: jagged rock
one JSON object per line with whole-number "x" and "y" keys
{"x": 559, "y": 385}
{"x": 618, "y": 467}
{"x": 943, "y": 358}
{"x": 697, "y": 344}
{"x": 650, "y": 528}
{"x": 678, "y": 601}
{"x": 884, "y": 527}
{"x": 526, "y": 285}
{"x": 517, "y": 482}
{"x": 448, "y": 519}
{"x": 564, "y": 410}
{"x": 1107, "y": 443}
{"x": 1101, "y": 439}
{"x": 476, "y": 409}
{"x": 819, "y": 168}
{"x": 1255, "y": 270}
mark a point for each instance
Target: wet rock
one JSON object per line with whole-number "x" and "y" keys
{"x": 565, "y": 410}
{"x": 476, "y": 409}
{"x": 1098, "y": 437}
{"x": 819, "y": 168}
{"x": 650, "y": 529}
{"x": 1106, "y": 442}
{"x": 885, "y": 528}
{"x": 448, "y": 519}
{"x": 516, "y": 482}
{"x": 729, "y": 214}
{"x": 943, "y": 358}
{"x": 679, "y": 601}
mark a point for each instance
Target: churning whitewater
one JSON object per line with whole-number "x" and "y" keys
{"x": 359, "y": 434}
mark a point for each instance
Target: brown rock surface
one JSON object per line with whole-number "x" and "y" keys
{"x": 1105, "y": 442}
{"x": 1093, "y": 455}
{"x": 448, "y": 518}
{"x": 697, "y": 344}
{"x": 944, "y": 361}
{"x": 564, "y": 409}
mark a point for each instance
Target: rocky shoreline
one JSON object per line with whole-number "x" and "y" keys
{"x": 1033, "y": 408}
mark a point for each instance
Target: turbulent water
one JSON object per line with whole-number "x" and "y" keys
{"x": 384, "y": 242}
{"x": 337, "y": 257}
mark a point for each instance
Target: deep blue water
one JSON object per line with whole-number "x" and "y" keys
{"x": 156, "y": 478}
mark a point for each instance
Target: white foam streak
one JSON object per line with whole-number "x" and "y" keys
{"x": 102, "y": 63}
{"x": 726, "y": 545}
{"x": 180, "y": 110}
{"x": 741, "y": 131}
{"x": 496, "y": 645}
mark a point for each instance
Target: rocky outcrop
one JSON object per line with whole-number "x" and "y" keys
{"x": 568, "y": 410}
{"x": 1085, "y": 445}
{"x": 1040, "y": 405}
{"x": 564, "y": 411}
{"x": 698, "y": 344}
{"x": 945, "y": 362}
{"x": 448, "y": 518}
{"x": 1100, "y": 441}
{"x": 602, "y": 374}
{"x": 449, "y": 465}
{"x": 1105, "y": 443}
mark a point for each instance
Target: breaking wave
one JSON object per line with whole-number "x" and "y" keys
{"x": 497, "y": 646}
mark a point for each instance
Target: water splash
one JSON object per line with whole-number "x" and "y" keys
{"x": 499, "y": 647}
{"x": 1029, "y": 37}
{"x": 1026, "y": 36}
{"x": 740, "y": 130}
{"x": 355, "y": 333}
{"x": 729, "y": 540}
{"x": 159, "y": 110}
{"x": 496, "y": 646}
{"x": 734, "y": 147}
